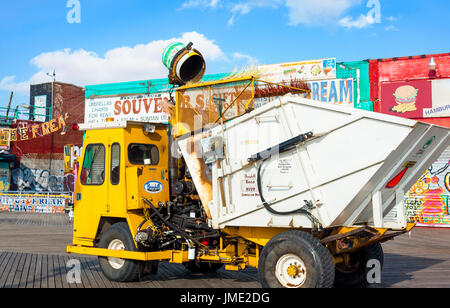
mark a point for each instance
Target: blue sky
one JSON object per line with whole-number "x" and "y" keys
{"x": 123, "y": 40}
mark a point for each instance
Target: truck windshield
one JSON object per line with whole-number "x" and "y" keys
{"x": 143, "y": 154}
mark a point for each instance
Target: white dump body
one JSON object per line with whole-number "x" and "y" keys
{"x": 342, "y": 171}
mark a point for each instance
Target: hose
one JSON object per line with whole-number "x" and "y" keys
{"x": 181, "y": 232}
{"x": 316, "y": 223}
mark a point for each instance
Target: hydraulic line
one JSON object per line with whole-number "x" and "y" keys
{"x": 170, "y": 225}
{"x": 266, "y": 155}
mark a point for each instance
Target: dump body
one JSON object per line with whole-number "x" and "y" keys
{"x": 339, "y": 174}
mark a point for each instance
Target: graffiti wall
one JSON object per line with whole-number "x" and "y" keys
{"x": 34, "y": 203}
{"x": 40, "y": 180}
{"x": 427, "y": 202}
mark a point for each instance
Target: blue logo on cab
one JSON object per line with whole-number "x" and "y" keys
{"x": 153, "y": 187}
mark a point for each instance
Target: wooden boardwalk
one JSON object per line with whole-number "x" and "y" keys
{"x": 32, "y": 255}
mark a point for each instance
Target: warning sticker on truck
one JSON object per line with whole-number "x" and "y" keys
{"x": 249, "y": 186}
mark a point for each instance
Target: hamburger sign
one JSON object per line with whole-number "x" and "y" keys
{"x": 406, "y": 99}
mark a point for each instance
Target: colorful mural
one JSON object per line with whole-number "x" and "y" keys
{"x": 427, "y": 202}
{"x": 40, "y": 180}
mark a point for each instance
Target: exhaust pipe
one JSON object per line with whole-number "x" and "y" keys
{"x": 184, "y": 63}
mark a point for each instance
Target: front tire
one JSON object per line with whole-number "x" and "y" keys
{"x": 295, "y": 259}
{"x": 118, "y": 237}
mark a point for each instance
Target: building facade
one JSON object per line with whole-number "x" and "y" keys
{"x": 418, "y": 88}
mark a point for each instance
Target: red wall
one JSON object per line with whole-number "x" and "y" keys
{"x": 404, "y": 69}
{"x": 67, "y": 99}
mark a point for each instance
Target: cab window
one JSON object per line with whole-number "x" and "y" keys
{"x": 143, "y": 154}
{"x": 93, "y": 170}
{"x": 115, "y": 164}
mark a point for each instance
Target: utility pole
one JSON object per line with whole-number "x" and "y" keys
{"x": 9, "y": 106}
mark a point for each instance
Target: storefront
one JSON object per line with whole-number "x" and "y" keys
{"x": 419, "y": 88}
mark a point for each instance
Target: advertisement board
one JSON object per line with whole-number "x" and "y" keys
{"x": 33, "y": 203}
{"x": 140, "y": 108}
{"x": 305, "y": 70}
{"x": 334, "y": 91}
{"x": 416, "y": 99}
{"x": 406, "y": 99}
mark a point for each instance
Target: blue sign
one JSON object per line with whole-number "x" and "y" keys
{"x": 153, "y": 187}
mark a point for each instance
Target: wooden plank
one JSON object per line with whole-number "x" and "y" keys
{"x": 57, "y": 272}
{"x": 95, "y": 274}
{"x": 50, "y": 272}
{"x": 91, "y": 280}
{"x": 25, "y": 271}
{"x": 38, "y": 272}
{"x": 18, "y": 274}
{"x": 84, "y": 278}
{"x": 12, "y": 270}
{"x": 44, "y": 278}
{"x": 62, "y": 271}
{"x": 31, "y": 272}
{"x": 3, "y": 261}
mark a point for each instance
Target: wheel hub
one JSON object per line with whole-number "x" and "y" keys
{"x": 290, "y": 271}
{"x": 116, "y": 263}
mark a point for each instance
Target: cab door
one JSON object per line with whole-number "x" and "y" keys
{"x": 147, "y": 171}
{"x": 91, "y": 193}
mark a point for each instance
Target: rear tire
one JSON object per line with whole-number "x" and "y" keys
{"x": 357, "y": 276}
{"x": 118, "y": 237}
{"x": 295, "y": 259}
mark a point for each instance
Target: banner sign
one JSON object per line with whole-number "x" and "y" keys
{"x": 305, "y": 70}
{"x": 406, "y": 99}
{"x": 139, "y": 108}
{"x": 34, "y": 203}
{"x": 337, "y": 91}
{"x": 35, "y": 131}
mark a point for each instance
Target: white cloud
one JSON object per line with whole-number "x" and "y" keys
{"x": 314, "y": 12}
{"x": 362, "y": 22}
{"x": 243, "y": 8}
{"x": 391, "y": 28}
{"x": 82, "y": 67}
{"x": 8, "y": 83}
{"x": 248, "y": 59}
{"x": 200, "y": 4}
{"x": 392, "y": 18}
{"x": 306, "y": 12}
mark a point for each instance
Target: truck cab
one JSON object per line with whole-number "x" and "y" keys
{"x": 119, "y": 166}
